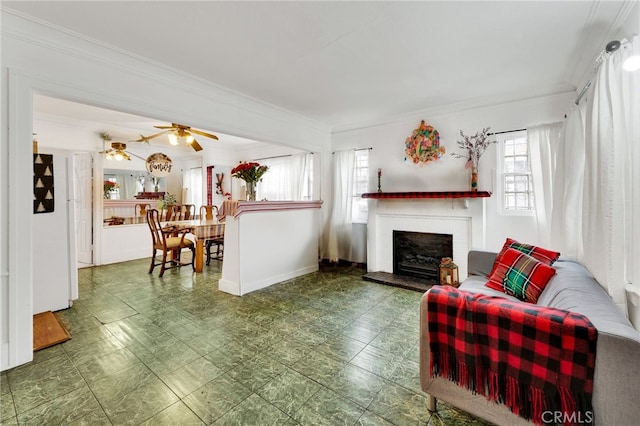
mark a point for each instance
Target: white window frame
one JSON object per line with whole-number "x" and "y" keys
{"x": 501, "y": 179}
{"x": 360, "y": 175}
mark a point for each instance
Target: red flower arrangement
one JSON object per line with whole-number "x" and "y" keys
{"x": 249, "y": 172}
{"x": 109, "y": 185}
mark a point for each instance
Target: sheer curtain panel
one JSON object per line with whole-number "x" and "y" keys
{"x": 568, "y": 181}
{"x": 288, "y": 178}
{"x": 544, "y": 140}
{"x": 595, "y": 188}
{"x": 339, "y": 246}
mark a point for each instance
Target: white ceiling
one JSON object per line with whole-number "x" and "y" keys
{"x": 122, "y": 126}
{"x": 343, "y": 63}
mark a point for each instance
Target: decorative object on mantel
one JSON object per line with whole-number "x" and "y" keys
{"x": 251, "y": 173}
{"x": 423, "y": 145}
{"x": 449, "y": 272}
{"x": 108, "y": 186}
{"x": 379, "y": 176}
{"x": 474, "y": 146}
{"x": 426, "y": 194}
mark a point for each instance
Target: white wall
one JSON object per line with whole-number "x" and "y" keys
{"x": 448, "y": 173}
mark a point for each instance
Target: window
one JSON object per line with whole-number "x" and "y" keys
{"x": 516, "y": 183}
{"x": 359, "y": 206}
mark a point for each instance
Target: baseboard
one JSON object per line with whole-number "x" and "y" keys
{"x": 240, "y": 289}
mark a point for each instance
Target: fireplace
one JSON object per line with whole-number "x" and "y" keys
{"x": 418, "y": 254}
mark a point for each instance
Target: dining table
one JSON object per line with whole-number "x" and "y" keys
{"x": 203, "y": 230}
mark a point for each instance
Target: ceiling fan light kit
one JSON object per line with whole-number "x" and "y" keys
{"x": 117, "y": 152}
{"x": 179, "y": 134}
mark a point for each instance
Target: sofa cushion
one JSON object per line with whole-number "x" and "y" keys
{"x": 520, "y": 275}
{"x": 574, "y": 289}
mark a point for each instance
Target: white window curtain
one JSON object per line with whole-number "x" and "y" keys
{"x": 543, "y": 141}
{"x": 127, "y": 186}
{"x": 568, "y": 181}
{"x": 339, "y": 245}
{"x": 301, "y": 172}
{"x": 192, "y": 186}
{"x": 593, "y": 191}
{"x": 287, "y": 178}
{"x": 606, "y": 218}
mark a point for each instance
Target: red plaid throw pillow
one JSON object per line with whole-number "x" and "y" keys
{"x": 520, "y": 275}
{"x": 546, "y": 256}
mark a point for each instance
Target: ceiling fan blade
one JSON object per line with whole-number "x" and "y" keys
{"x": 201, "y": 133}
{"x": 147, "y": 138}
{"x": 165, "y": 127}
{"x": 137, "y": 156}
{"x": 196, "y": 146}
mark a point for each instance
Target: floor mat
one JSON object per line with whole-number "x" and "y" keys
{"x": 47, "y": 331}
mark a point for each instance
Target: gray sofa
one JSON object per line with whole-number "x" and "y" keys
{"x": 617, "y": 374}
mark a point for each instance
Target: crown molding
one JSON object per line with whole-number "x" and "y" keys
{"x": 581, "y": 75}
{"x": 451, "y": 109}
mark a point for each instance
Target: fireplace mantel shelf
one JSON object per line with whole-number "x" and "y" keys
{"x": 426, "y": 194}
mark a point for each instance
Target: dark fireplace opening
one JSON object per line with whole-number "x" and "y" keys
{"x": 418, "y": 254}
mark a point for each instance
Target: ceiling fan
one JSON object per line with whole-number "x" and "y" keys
{"x": 179, "y": 133}
{"x": 118, "y": 152}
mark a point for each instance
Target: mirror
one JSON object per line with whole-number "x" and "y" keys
{"x": 131, "y": 182}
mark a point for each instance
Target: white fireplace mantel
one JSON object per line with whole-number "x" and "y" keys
{"x": 464, "y": 220}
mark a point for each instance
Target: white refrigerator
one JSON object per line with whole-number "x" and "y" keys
{"x": 55, "y": 272}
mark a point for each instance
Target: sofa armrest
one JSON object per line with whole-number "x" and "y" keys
{"x": 480, "y": 262}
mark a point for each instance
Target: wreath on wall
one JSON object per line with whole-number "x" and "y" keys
{"x": 423, "y": 145}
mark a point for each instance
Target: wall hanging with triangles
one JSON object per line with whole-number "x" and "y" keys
{"x": 43, "y": 201}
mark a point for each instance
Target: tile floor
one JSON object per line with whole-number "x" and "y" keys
{"x": 324, "y": 349}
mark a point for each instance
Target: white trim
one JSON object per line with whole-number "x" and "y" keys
{"x": 20, "y": 198}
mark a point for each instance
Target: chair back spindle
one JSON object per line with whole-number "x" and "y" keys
{"x": 208, "y": 212}
{"x": 189, "y": 211}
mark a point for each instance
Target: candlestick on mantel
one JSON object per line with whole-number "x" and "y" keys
{"x": 379, "y": 176}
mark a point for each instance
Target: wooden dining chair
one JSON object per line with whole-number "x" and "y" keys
{"x": 168, "y": 240}
{"x": 141, "y": 209}
{"x": 209, "y": 212}
{"x": 188, "y": 211}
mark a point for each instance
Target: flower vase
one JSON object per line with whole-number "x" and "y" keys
{"x": 107, "y": 195}
{"x": 474, "y": 178}
{"x": 251, "y": 191}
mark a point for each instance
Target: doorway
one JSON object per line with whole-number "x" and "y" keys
{"x": 83, "y": 206}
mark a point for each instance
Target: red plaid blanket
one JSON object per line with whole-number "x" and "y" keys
{"x": 531, "y": 358}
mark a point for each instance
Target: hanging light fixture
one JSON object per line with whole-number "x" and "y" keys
{"x": 117, "y": 152}
{"x": 179, "y": 136}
